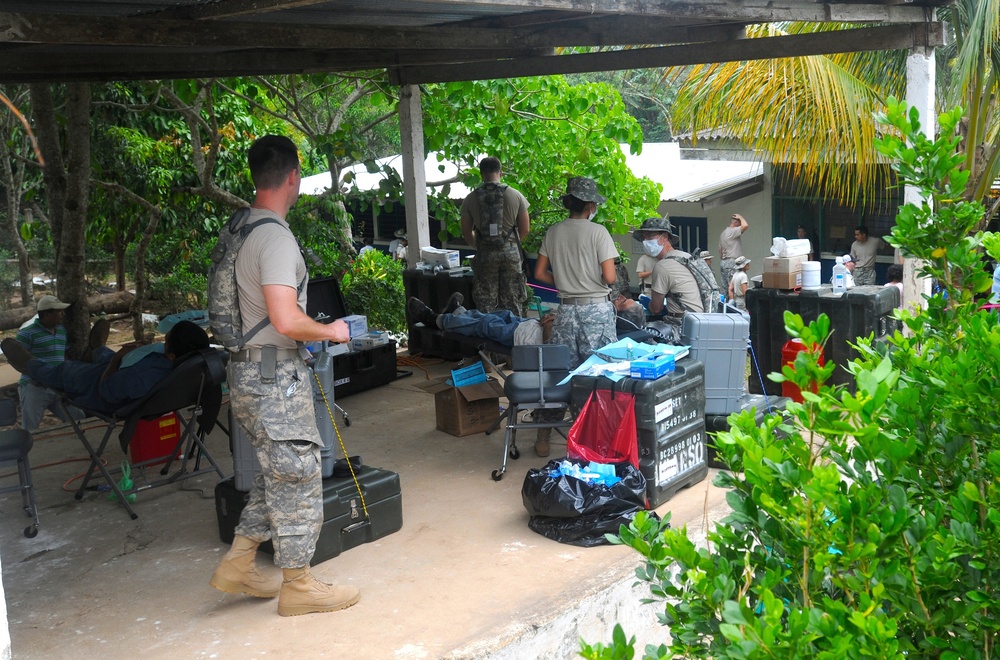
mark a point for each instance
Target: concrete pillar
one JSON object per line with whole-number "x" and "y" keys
{"x": 920, "y": 76}
{"x": 411, "y": 129}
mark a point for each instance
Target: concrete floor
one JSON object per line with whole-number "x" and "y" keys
{"x": 464, "y": 578}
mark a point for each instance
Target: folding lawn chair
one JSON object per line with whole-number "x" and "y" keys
{"x": 194, "y": 391}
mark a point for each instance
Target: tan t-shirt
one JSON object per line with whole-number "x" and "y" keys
{"x": 864, "y": 254}
{"x": 513, "y": 203}
{"x": 645, "y": 263}
{"x": 671, "y": 278}
{"x": 576, "y": 248}
{"x": 730, "y": 242}
{"x": 270, "y": 255}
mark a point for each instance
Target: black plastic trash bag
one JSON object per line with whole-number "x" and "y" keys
{"x": 570, "y": 510}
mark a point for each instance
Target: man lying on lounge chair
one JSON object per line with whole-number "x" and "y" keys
{"x": 500, "y": 326}
{"x": 105, "y": 386}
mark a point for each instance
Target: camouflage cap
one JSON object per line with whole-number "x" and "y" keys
{"x": 654, "y": 226}
{"x": 705, "y": 254}
{"x": 583, "y": 189}
{"x": 619, "y": 287}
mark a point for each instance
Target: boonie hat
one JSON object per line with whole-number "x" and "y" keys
{"x": 584, "y": 189}
{"x": 741, "y": 261}
{"x": 50, "y": 302}
{"x": 705, "y": 254}
{"x": 399, "y": 233}
{"x": 619, "y": 287}
{"x": 654, "y": 226}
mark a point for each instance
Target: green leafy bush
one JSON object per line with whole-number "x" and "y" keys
{"x": 873, "y": 528}
{"x": 373, "y": 286}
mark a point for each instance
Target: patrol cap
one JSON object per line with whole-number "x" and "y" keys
{"x": 584, "y": 189}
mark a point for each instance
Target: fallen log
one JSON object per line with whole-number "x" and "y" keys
{"x": 119, "y": 302}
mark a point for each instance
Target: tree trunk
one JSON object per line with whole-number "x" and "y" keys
{"x": 67, "y": 186}
{"x": 108, "y": 303}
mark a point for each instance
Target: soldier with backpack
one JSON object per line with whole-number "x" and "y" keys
{"x": 680, "y": 282}
{"x": 257, "y": 303}
{"x": 494, "y": 221}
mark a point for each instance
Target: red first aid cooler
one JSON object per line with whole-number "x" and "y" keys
{"x": 792, "y": 348}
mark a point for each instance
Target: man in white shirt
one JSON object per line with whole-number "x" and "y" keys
{"x": 731, "y": 246}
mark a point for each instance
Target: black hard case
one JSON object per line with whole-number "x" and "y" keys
{"x": 356, "y": 371}
{"x": 344, "y": 525}
{"x": 434, "y": 289}
{"x": 716, "y": 423}
{"x": 670, "y": 420}
{"x": 859, "y": 312}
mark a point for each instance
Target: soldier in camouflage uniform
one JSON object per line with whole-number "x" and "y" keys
{"x": 577, "y": 256}
{"x": 494, "y": 220}
{"x": 272, "y": 399}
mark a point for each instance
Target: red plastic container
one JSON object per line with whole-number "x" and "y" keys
{"x": 792, "y": 348}
{"x": 155, "y": 438}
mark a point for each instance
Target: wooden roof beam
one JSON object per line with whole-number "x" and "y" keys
{"x": 892, "y": 37}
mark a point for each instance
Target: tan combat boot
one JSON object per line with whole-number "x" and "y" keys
{"x": 302, "y": 593}
{"x": 238, "y": 573}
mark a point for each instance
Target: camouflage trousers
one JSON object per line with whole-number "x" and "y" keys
{"x": 864, "y": 276}
{"x": 286, "y": 501}
{"x": 584, "y": 328}
{"x": 499, "y": 279}
{"x": 727, "y": 268}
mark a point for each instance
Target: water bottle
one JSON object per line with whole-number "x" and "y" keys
{"x": 323, "y": 400}
{"x": 839, "y": 276}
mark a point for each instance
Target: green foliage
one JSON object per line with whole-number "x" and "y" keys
{"x": 544, "y": 130}
{"x": 873, "y": 528}
{"x": 373, "y": 286}
{"x": 179, "y": 279}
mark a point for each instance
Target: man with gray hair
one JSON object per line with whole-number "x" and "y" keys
{"x": 731, "y": 246}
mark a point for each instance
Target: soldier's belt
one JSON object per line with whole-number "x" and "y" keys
{"x": 257, "y": 354}
{"x": 583, "y": 301}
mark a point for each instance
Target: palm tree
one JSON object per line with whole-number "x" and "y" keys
{"x": 815, "y": 114}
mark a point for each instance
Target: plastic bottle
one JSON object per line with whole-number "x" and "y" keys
{"x": 839, "y": 276}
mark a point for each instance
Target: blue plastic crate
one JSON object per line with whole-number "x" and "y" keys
{"x": 474, "y": 373}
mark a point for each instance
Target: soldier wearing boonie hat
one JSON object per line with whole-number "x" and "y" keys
{"x": 740, "y": 282}
{"x": 674, "y": 289}
{"x": 577, "y": 256}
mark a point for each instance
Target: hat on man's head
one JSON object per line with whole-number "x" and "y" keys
{"x": 705, "y": 255}
{"x": 847, "y": 258}
{"x": 655, "y": 226}
{"x": 50, "y": 302}
{"x": 399, "y": 233}
{"x": 741, "y": 261}
{"x": 584, "y": 189}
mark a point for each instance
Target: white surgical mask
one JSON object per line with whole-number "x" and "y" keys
{"x": 652, "y": 247}
{"x": 592, "y": 214}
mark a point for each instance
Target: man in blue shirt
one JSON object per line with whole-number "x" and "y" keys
{"x": 105, "y": 386}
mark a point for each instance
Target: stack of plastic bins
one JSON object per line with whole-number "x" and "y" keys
{"x": 434, "y": 289}
{"x": 719, "y": 341}
{"x": 670, "y": 425}
{"x": 861, "y": 311}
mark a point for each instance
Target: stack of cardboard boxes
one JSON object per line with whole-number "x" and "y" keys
{"x": 783, "y": 272}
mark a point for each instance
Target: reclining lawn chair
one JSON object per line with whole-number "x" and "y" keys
{"x": 193, "y": 390}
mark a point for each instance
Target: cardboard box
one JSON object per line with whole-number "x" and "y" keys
{"x": 652, "y": 367}
{"x": 358, "y": 324}
{"x": 439, "y": 257}
{"x": 784, "y": 264}
{"x": 369, "y": 340}
{"x": 782, "y": 280}
{"x": 463, "y": 411}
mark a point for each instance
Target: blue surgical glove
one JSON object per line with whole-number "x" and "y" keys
{"x": 644, "y": 300}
